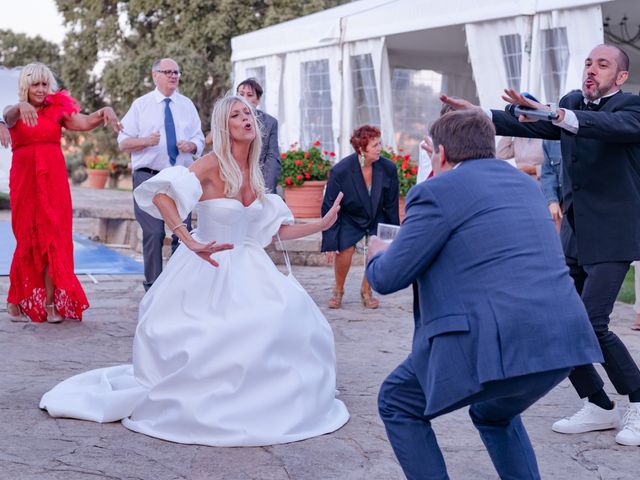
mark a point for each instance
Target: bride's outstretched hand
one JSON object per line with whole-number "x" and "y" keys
{"x": 332, "y": 215}
{"x": 205, "y": 250}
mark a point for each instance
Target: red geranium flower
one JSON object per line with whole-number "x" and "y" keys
{"x": 316, "y": 143}
{"x": 288, "y": 180}
{"x": 283, "y": 155}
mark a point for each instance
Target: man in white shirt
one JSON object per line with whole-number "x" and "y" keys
{"x": 160, "y": 130}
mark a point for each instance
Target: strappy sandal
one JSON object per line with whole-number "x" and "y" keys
{"x": 336, "y": 299}
{"x": 15, "y": 313}
{"x": 52, "y": 315}
{"x": 368, "y": 300}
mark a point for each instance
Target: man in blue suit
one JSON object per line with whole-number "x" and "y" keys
{"x": 500, "y": 322}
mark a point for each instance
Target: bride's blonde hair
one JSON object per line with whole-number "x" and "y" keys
{"x": 221, "y": 138}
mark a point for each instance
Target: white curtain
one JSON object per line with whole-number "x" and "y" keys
{"x": 273, "y": 79}
{"x": 290, "y": 119}
{"x": 377, "y": 49}
{"x": 486, "y": 57}
{"x": 584, "y": 31}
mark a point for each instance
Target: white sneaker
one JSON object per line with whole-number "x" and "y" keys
{"x": 630, "y": 433}
{"x": 589, "y": 419}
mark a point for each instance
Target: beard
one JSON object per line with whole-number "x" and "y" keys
{"x": 599, "y": 91}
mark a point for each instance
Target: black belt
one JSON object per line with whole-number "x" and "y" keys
{"x": 148, "y": 170}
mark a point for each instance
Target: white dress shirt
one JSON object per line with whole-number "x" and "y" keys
{"x": 424, "y": 164}
{"x": 570, "y": 121}
{"x": 146, "y": 116}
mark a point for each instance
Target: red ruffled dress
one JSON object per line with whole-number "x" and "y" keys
{"x": 41, "y": 216}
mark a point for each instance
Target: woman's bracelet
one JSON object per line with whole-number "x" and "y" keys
{"x": 178, "y": 226}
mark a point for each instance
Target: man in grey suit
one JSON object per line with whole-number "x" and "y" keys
{"x": 270, "y": 154}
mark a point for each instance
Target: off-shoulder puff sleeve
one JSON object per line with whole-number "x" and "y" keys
{"x": 178, "y": 183}
{"x": 275, "y": 214}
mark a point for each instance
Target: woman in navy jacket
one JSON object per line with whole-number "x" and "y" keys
{"x": 370, "y": 186}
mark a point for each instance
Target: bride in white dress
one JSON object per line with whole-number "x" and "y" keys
{"x": 228, "y": 351}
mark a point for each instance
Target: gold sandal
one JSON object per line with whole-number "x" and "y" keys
{"x": 368, "y": 300}
{"x": 15, "y": 313}
{"x": 336, "y": 299}
{"x": 52, "y": 314}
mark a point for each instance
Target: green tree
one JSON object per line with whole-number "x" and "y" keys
{"x": 18, "y": 49}
{"x": 132, "y": 33}
{"x": 110, "y": 46}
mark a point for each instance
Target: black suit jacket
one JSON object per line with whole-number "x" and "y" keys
{"x": 601, "y": 176}
{"x": 360, "y": 212}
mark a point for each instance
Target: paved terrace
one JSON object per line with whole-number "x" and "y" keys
{"x": 369, "y": 344}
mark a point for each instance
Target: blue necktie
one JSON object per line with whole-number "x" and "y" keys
{"x": 170, "y": 131}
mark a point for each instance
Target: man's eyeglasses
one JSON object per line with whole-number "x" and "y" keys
{"x": 169, "y": 73}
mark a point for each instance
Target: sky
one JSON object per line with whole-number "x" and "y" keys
{"x": 33, "y": 17}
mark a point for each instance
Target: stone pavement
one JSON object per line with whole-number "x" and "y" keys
{"x": 34, "y": 446}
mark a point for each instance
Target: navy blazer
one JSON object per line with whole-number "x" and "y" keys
{"x": 270, "y": 153}
{"x": 496, "y": 299}
{"x": 601, "y": 176}
{"x": 360, "y": 212}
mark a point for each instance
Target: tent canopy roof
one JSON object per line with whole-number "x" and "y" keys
{"x": 365, "y": 19}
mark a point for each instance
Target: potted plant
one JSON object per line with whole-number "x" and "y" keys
{"x": 98, "y": 170}
{"x": 407, "y": 173}
{"x": 303, "y": 176}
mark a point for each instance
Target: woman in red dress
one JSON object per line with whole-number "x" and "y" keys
{"x": 43, "y": 285}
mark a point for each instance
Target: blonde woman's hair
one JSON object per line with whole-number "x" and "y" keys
{"x": 33, "y": 73}
{"x": 221, "y": 139}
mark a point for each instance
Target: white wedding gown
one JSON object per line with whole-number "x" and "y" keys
{"x": 237, "y": 355}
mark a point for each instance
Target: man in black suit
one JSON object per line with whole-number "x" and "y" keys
{"x": 251, "y": 90}
{"x": 599, "y": 130}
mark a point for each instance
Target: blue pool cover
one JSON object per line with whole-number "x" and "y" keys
{"x": 89, "y": 257}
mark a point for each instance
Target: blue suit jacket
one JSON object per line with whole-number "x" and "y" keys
{"x": 496, "y": 300}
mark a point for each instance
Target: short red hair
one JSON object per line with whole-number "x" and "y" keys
{"x": 361, "y": 137}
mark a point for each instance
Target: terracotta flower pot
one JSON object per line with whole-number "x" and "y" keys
{"x": 401, "y": 201}
{"x": 97, "y": 178}
{"x": 305, "y": 201}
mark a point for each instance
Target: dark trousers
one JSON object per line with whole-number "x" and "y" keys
{"x": 152, "y": 235}
{"x": 495, "y": 412}
{"x": 599, "y": 285}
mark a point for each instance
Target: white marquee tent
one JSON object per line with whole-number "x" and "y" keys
{"x": 385, "y": 61}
